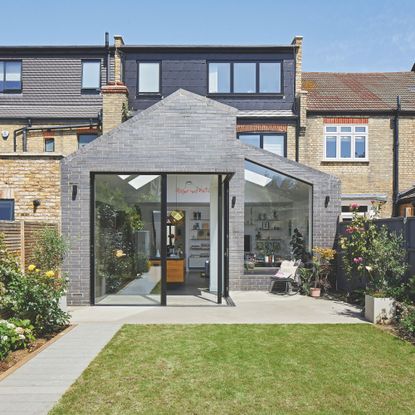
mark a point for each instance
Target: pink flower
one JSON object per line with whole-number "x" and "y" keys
{"x": 358, "y": 260}
{"x": 354, "y": 206}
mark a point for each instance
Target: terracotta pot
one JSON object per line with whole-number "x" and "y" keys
{"x": 315, "y": 292}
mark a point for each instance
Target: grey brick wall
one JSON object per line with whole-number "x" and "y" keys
{"x": 166, "y": 138}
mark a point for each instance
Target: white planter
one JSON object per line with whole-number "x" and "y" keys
{"x": 379, "y": 310}
{"x": 63, "y": 303}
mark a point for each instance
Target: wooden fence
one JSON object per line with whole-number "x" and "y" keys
{"x": 20, "y": 238}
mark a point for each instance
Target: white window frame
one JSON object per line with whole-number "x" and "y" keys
{"x": 338, "y": 134}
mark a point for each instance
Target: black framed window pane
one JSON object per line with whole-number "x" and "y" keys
{"x": 12, "y": 76}
{"x": 6, "y": 209}
{"x": 244, "y": 78}
{"x": 360, "y": 147}
{"x": 270, "y": 77}
{"x": 84, "y": 139}
{"x": 346, "y": 147}
{"x": 91, "y": 78}
{"x": 49, "y": 145}
{"x": 251, "y": 139}
{"x": 149, "y": 77}
{"x": 219, "y": 77}
{"x": 331, "y": 144}
{"x": 275, "y": 144}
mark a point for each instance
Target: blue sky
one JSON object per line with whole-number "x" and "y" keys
{"x": 339, "y": 35}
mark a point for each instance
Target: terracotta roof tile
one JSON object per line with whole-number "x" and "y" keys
{"x": 359, "y": 91}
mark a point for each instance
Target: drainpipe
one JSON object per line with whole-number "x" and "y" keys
{"x": 395, "y": 185}
{"x": 297, "y": 130}
{"x": 108, "y": 58}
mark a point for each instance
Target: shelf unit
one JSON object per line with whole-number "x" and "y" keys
{"x": 198, "y": 238}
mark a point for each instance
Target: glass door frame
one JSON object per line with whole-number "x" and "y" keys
{"x": 223, "y": 232}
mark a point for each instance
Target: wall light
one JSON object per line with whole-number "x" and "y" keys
{"x": 36, "y": 204}
{"x": 326, "y": 201}
{"x": 74, "y": 191}
{"x": 233, "y": 201}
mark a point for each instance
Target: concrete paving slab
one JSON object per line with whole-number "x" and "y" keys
{"x": 34, "y": 388}
{"x": 254, "y": 307}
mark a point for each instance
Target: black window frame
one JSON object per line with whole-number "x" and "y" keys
{"x": 91, "y": 90}
{"x": 79, "y": 134}
{"x": 261, "y": 139}
{"x": 257, "y": 79}
{"x": 12, "y": 91}
{"x": 149, "y": 94}
{"x": 53, "y": 141}
{"x": 12, "y": 209}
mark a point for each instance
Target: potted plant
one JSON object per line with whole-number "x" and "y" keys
{"x": 376, "y": 258}
{"x": 321, "y": 269}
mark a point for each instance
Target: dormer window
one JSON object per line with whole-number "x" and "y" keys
{"x": 245, "y": 78}
{"x": 149, "y": 78}
{"x": 10, "y": 76}
{"x": 91, "y": 75}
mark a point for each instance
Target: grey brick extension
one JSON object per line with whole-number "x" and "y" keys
{"x": 184, "y": 132}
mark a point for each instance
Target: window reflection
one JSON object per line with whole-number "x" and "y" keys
{"x": 275, "y": 205}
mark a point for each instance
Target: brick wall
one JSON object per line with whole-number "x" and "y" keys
{"x": 373, "y": 176}
{"x": 66, "y": 141}
{"x": 161, "y": 138}
{"x": 26, "y": 178}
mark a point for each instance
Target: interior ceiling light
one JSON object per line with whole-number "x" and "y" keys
{"x": 176, "y": 216}
{"x": 141, "y": 181}
{"x": 257, "y": 178}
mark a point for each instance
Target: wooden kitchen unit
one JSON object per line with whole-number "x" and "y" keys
{"x": 175, "y": 269}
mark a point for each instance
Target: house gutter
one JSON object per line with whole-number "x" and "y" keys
{"x": 24, "y": 130}
{"x": 395, "y": 184}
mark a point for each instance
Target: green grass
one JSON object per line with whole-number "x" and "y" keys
{"x": 247, "y": 369}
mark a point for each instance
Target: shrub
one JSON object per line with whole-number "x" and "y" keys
{"x": 9, "y": 266}
{"x": 49, "y": 250}
{"x": 14, "y": 334}
{"x": 373, "y": 255}
{"x": 142, "y": 263}
{"x": 406, "y": 321}
{"x": 35, "y": 296}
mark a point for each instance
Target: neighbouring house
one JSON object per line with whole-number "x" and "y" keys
{"x": 360, "y": 131}
{"x": 50, "y": 105}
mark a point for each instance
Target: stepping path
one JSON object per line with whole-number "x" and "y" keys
{"x": 34, "y": 388}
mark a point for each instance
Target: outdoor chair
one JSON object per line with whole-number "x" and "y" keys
{"x": 286, "y": 280}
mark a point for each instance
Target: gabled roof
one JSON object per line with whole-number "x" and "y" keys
{"x": 359, "y": 92}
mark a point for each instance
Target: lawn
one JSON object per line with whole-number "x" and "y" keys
{"x": 247, "y": 369}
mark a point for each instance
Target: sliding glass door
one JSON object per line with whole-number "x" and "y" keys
{"x": 127, "y": 239}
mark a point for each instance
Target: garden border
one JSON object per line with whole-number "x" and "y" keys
{"x": 30, "y": 356}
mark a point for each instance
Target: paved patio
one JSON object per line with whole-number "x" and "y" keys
{"x": 250, "y": 307}
{"x": 34, "y": 388}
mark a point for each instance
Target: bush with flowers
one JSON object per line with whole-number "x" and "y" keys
{"x": 373, "y": 255}
{"x": 34, "y": 295}
{"x": 14, "y": 334}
